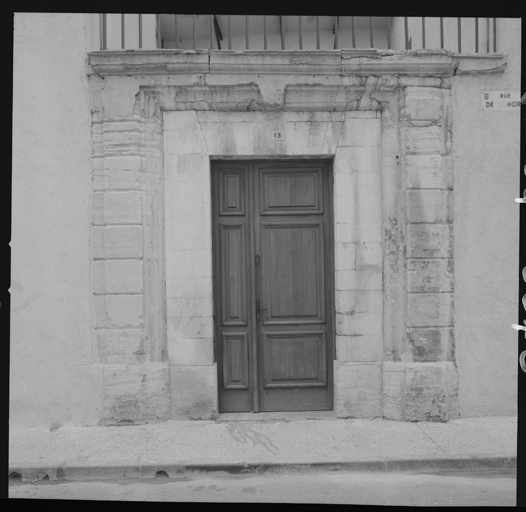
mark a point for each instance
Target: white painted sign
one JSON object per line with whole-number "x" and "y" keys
{"x": 501, "y": 100}
{"x": 276, "y": 135}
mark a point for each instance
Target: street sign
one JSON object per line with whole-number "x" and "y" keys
{"x": 501, "y": 100}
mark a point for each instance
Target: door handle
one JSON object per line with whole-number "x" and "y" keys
{"x": 258, "y": 307}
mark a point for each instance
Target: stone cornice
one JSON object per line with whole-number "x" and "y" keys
{"x": 433, "y": 63}
{"x": 376, "y": 62}
{"x": 149, "y": 62}
{"x": 321, "y": 62}
{"x": 480, "y": 63}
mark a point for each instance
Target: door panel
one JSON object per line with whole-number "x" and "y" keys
{"x": 233, "y": 274}
{"x": 233, "y": 192}
{"x": 295, "y": 359}
{"x": 292, "y": 272}
{"x": 284, "y": 192}
{"x": 273, "y": 286}
{"x": 235, "y": 361}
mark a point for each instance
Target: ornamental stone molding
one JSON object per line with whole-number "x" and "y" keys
{"x": 345, "y": 62}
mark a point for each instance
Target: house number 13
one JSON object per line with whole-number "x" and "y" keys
{"x": 277, "y": 135}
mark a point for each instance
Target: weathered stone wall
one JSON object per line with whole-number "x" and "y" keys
{"x": 127, "y": 267}
{"x": 420, "y": 382}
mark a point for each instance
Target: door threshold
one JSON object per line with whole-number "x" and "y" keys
{"x": 272, "y": 416}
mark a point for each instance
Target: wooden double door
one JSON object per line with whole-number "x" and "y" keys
{"x": 273, "y": 285}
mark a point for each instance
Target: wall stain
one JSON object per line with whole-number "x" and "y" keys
{"x": 242, "y": 433}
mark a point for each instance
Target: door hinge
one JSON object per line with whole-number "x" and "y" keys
{"x": 258, "y": 259}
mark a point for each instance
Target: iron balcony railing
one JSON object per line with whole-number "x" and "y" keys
{"x": 235, "y": 32}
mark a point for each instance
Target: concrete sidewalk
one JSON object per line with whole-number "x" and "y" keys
{"x": 273, "y": 444}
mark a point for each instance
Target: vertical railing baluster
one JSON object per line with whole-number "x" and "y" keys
{"x": 494, "y": 34}
{"x": 442, "y": 33}
{"x": 388, "y": 32}
{"x": 487, "y": 33}
{"x": 318, "y": 32}
{"x": 158, "y": 24}
{"x": 193, "y": 31}
{"x": 211, "y": 31}
{"x": 423, "y": 33}
{"x": 229, "y": 34}
{"x": 265, "y": 32}
{"x": 140, "y": 31}
{"x": 476, "y": 35}
{"x": 353, "y": 33}
{"x": 246, "y": 33}
{"x": 282, "y": 29}
{"x": 123, "y": 37}
{"x": 300, "y": 34}
{"x": 406, "y": 33}
{"x": 336, "y": 33}
{"x": 459, "y": 36}
{"x": 102, "y": 30}
{"x": 371, "y": 31}
{"x": 176, "y": 35}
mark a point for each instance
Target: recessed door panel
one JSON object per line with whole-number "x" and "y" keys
{"x": 232, "y": 197}
{"x": 288, "y": 191}
{"x": 295, "y": 359}
{"x": 235, "y": 360}
{"x": 292, "y": 272}
{"x": 233, "y": 274}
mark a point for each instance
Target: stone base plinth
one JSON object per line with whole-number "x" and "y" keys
{"x": 135, "y": 393}
{"x": 420, "y": 391}
{"x": 358, "y": 390}
{"x": 193, "y": 392}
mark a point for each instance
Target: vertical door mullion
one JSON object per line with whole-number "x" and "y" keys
{"x": 255, "y": 277}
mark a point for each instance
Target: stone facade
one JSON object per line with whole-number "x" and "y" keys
{"x": 390, "y": 139}
{"x": 103, "y": 323}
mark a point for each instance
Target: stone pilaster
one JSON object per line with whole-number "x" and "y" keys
{"x": 126, "y": 271}
{"x": 422, "y": 385}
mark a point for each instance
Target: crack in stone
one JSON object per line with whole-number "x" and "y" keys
{"x": 201, "y": 130}
{"x": 429, "y": 437}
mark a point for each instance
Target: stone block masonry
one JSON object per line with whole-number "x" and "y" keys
{"x": 126, "y": 271}
{"x": 359, "y": 390}
{"x": 422, "y": 384}
{"x": 135, "y": 393}
{"x": 420, "y": 391}
{"x": 390, "y": 144}
{"x": 429, "y": 215}
{"x": 193, "y": 392}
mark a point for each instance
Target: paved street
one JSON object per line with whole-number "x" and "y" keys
{"x": 445, "y": 489}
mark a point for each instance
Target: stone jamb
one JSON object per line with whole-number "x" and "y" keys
{"x": 315, "y": 134}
